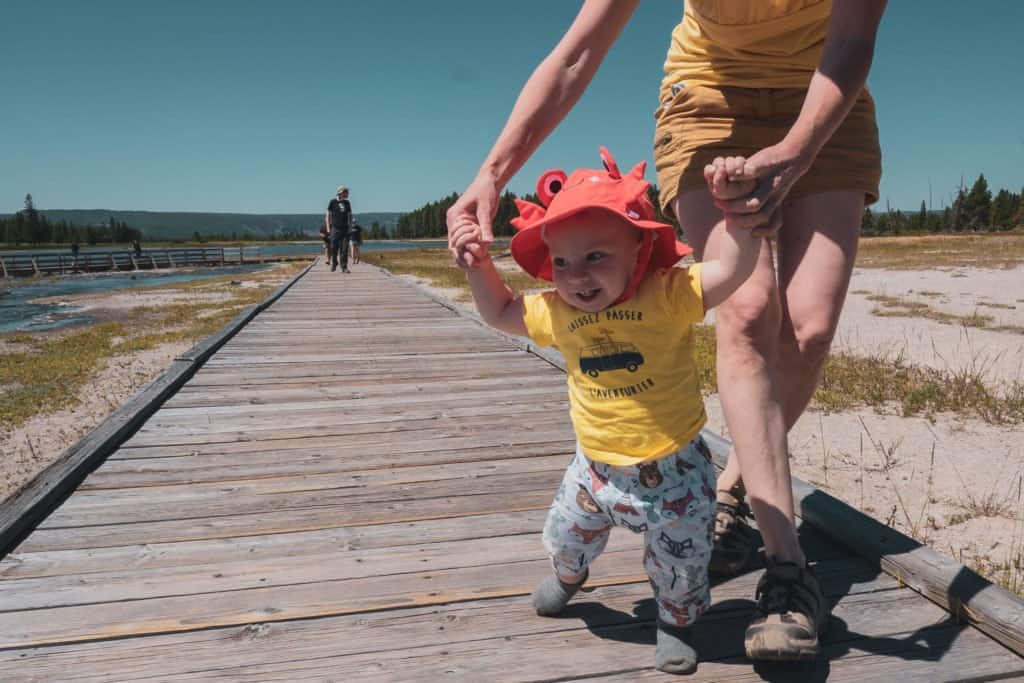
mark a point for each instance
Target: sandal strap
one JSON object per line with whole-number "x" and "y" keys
{"x": 779, "y": 592}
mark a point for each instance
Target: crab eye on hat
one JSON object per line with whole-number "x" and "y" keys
{"x": 548, "y": 185}
{"x": 609, "y": 163}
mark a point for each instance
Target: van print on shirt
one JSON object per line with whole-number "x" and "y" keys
{"x": 610, "y": 355}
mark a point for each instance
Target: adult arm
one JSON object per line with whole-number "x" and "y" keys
{"x": 549, "y": 94}
{"x": 327, "y": 219}
{"x": 833, "y": 90}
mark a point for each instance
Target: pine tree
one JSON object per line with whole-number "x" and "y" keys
{"x": 867, "y": 222}
{"x": 1003, "y": 207}
{"x": 978, "y": 205}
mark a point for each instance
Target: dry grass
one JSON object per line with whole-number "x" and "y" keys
{"x": 435, "y": 266}
{"x": 978, "y": 250}
{"x": 895, "y": 307}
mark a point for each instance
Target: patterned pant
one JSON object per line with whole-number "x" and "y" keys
{"x": 670, "y": 500}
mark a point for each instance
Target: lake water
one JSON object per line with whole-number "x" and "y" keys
{"x": 18, "y": 313}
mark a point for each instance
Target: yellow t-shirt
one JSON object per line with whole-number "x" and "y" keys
{"x": 633, "y": 391}
{"x": 747, "y": 43}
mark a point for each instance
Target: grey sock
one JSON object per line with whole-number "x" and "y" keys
{"x": 672, "y": 654}
{"x": 551, "y": 596}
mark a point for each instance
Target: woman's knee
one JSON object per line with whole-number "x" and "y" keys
{"x": 751, "y": 315}
{"x": 811, "y": 339}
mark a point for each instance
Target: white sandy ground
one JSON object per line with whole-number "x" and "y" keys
{"x": 950, "y": 482}
{"x": 29, "y": 449}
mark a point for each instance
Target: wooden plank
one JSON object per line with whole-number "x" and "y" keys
{"x": 61, "y": 578}
{"x": 216, "y": 574}
{"x": 402, "y": 368}
{"x": 125, "y": 507}
{"x": 300, "y": 481}
{"x": 156, "y": 443}
{"x": 282, "y": 521}
{"x": 514, "y": 393}
{"x": 230, "y": 468}
{"x": 390, "y": 633}
{"x": 187, "y": 612}
{"x": 361, "y": 390}
{"x": 194, "y": 424}
{"x": 317, "y": 542}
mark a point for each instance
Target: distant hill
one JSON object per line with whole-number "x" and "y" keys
{"x": 181, "y": 225}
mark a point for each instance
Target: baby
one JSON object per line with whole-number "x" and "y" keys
{"x": 621, "y": 315}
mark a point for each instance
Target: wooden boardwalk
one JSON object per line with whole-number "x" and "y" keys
{"x": 352, "y": 489}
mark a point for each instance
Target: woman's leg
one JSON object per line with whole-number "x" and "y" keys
{"x": 816, "y": 247}
{"x": 747, "y": 330}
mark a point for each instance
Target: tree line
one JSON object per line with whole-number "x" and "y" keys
{"x": 976, "y": 209}
{"x": 428, "y": 221}
{"x": 973, "y": 210}
{"x": 375, "y": 231}
{"x": 30, "y": 226}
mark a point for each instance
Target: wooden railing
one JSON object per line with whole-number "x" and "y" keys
{"x": 49, "y": 262}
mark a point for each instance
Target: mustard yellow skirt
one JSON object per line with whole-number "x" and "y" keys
{"x": 700, "y": 123}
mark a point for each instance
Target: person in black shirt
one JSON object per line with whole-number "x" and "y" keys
{"x": 339, "y": 222}
{"x": 355, "y": 238}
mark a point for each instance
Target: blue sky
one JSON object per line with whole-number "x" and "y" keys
{"x": 265, "y": 107}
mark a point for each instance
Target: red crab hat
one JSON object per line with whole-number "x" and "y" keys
{"x": 625, "y": 196}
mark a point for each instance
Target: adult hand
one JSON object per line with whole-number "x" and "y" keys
{"x": 465, "y": 240}
{"x": 477, "y": 204}
{"x": 775, "y": 170}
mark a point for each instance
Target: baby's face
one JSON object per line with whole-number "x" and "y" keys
{"x": 593, "y": 255}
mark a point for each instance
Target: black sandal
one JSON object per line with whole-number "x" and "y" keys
{"x": 733, "y": 540}
{"x": 791, "y": 613}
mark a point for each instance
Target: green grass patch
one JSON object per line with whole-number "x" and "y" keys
{"x": 48, "y": 377}
{"x": 852, "y": 381}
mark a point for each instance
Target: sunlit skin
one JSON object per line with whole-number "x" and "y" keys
{"x": 593, "y": 256}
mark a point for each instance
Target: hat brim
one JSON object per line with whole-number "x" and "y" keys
{"x": 531, "y": 252}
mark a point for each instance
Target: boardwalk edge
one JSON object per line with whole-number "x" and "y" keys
{"x": 32, "y": 504}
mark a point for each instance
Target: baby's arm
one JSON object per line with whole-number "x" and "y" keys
{"x": 738, "y": 247}
{"x": 498, "y": 306}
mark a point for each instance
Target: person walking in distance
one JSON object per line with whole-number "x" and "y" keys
{"x": 339, "y": 222}
{"x": 355, "y": 238}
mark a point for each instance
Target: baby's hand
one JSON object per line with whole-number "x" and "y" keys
{"x": 734, "y": 195}
{"x": 467, "y": 240}
{"x": 722, "y": 177}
